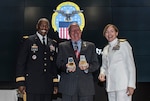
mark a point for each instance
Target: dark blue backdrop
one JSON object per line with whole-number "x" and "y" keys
{"x": 18, "y": 18}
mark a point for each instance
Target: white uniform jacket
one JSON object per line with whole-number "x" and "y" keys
{"x": 118, "y": 66}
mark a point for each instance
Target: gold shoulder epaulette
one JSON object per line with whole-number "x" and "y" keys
{"x": 25, "y": 37}
{"x": 55, "y": 80}
{"x": 21, "y": 78}
{"x": 122, "y": 40}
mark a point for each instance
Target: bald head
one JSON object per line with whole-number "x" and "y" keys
{"x": 42, "y": 26}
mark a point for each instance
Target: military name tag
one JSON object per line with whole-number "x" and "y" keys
{"x": 51, "y": 58}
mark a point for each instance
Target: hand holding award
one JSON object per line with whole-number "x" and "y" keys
{"x": 71, "y": 67}
{"x": 83, "y": 63}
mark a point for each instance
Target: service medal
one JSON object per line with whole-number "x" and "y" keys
{"x": 34, "y": 57}
{"x": 34, "y": 48}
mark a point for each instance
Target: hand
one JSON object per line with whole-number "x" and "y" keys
{"x": 84, "y": 67}
{"x": 55, "y": 90}
{"x": 72, "y": 68}
{"x": 101, "y": 77}
{"x": 130, "y": 91}
{"x": 22, "y": 89}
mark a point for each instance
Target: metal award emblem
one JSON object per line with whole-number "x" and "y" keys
{"x": 83, "y": 61}
{"x": 71, "y": 63}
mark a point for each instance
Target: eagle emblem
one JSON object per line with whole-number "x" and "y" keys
{"x": 68, "y": 15}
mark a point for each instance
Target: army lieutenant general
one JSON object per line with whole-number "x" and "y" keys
{"x": 36, "y": 72}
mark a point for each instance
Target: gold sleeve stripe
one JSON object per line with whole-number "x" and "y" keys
{"x": 20, "y": 79}
{"x": 55, "y": 80}
{"x": 122, "y": 40}
{"x": 25, "y": 37}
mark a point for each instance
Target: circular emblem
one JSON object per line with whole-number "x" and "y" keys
{"x": 34, "y": 57}
{"x": 65, "y": 14}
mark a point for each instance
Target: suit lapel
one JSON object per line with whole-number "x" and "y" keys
{"x": 83, "y": 46}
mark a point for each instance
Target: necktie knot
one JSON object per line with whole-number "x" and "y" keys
{"x": 75, "y": 46}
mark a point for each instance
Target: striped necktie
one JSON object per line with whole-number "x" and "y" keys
{"x": 77, "y": 53}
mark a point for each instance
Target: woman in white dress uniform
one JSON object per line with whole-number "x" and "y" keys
{"x": 118, "y": 67}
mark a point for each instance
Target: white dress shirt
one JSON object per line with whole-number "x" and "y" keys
{"x": 41, "y": 38}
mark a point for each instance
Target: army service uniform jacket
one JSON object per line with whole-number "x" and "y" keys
{"x": 36, "y": 67}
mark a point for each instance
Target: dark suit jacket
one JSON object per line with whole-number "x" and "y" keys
{"x": 36, "y": 66}
{"x": 79, "y": 81}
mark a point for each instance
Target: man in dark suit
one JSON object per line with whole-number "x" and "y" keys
{"x": 36, "y": 72}
{"x": 77, "y": 59}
